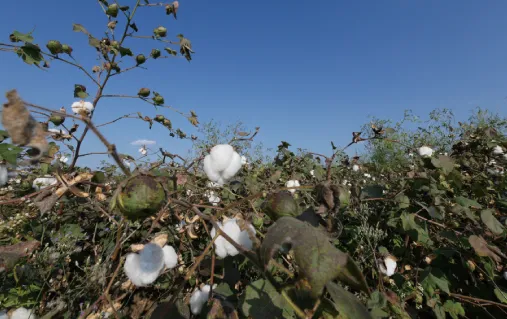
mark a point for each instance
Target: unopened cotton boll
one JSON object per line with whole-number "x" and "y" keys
{"x": 292, "y": 183}
{"x": 82, "y": 107}
{"x": 222, "y": 163}
{"x": 199, "y": 298}
{"x": 425, "y": 151}
{"x": 4, "y": 175}
{"x": 222, "y": 247}
{"x": 43, "y": 182}
{"x": 170, "y": 257}
{"x": 498, "y": 150}
{"x": 144, "y": 268}
{"x": 23, "y": 313}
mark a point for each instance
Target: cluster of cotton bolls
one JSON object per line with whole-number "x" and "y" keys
{"x": 230, "y": 227}
{"x": 222, "y": 163}
{"x": 20, "y": 313}
{"x": 143, "y": 268}
{"x": 199, "y": 298}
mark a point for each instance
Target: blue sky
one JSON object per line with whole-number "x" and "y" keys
{"x": 305, "y": 72}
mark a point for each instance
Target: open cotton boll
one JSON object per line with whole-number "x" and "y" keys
{"x": 221, "y": 156}
{"x": 212, "y": 197}
{"x": 355, "y": 167}
{"x": 199, "y": 298}
{"x": 497, "y": 150}
{"x": 425, "y": 151}
{"x": 222, "y": 247}
{"x": 4, "y": 175}
{"x": 170, "y": 257}
{"x": 43, "y": 182}
{"x": 312, "y": 173}
{"x": 233, "y": 168}
{"x": 244, "y": 161}
{"x": 144, "y": 268}
{"x": 222, "y": 163}
{"x": 389, "y": 266}
{"x": 81, "y": 107}
{"x": 23, "y": 313}
{"x": 292, "y": 183}
{"x": 57, "y": 131}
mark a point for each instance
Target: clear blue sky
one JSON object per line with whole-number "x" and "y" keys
{"x": 304, "y": 71}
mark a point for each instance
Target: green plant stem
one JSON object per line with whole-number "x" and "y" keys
{"x": 300, "y": 313}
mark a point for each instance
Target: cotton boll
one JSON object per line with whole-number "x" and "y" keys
{"x": 4, "y": 175}
{"x": 355, "y": 167}
{"x": 219, "y": 242}
{"x": 23, "y": 313}
{"x": 170, "y": 257}
{"x": 43, "y": 182}
{"x": 505, "y": 275}
{"x": 233, "y": 168}
{"x": 222, "y": 247}
{"x": 497, "y": 150}
{"x": 312, "y": 173}
{"x": 292, "y": 183}
{"x": 425, "y": 151}
{"x": 144, "y": 268}
{"x": 244, "y": 161}
{"x": 244, "y": 237}
{"x": 57, "y": 131}
{"x": 231, "y": 228}
{"x": 82, "y": 107}
{"x": 221, "y": 156}
{"x": 389, "y": 266}
{"x": 199, "y": 298}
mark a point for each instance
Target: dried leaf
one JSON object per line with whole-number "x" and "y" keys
{"x": 493, "y": 224}
{"x": 10, "y": 254}
{"x": 483, "y": 249}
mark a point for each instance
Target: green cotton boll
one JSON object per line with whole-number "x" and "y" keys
{"x": 279, "y": 205}
{"x": 54, "y": 47}
{"x": 140, "y": 197}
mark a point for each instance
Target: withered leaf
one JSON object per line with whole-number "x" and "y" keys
{"x": 9, "y": 255}
{"x": 483, "y": 249}
{"x": 318, "y": 260}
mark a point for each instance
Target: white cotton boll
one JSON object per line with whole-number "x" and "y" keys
{"x": 82, "y": 107}
{"x": 411, "y": 154}
{"x": 497, "y": 150}
{"x": 425, "y": 151}
{"x": 292, "y": 183}
{"x": 231, "y": 228}
{"x": 233, "y": 168}
{"x": 23, "y": 313}
{"x": 144, "y": 268}
{"x": 213, "y": 185}
{"x": 212, "y": 197}
{"x": 244, "y": 161}
{"x": 367, "y": 175}
{"x": 222, "y": 247}
{"x": 219, "y": 242}
{"x": 505, "y": 275}
{"x": 170, "y": 257}
{"x": 355, "y": 167}
{"x": 57, "y": 131}
{"x": 244, "y": 238}
{"x": 199, "y": 298}
{"x": 4, "y": 175}
{"x": 43, "y": 182}
{"x": 389, "y": 266}
{"x": 312, "y": 173}
{"x": 221, "y": 156}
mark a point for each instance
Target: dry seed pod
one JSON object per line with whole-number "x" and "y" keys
{"x": 17, "y": 119}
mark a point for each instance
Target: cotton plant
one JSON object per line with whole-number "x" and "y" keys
{"x": 199, "y": 298}
{"x": 143, "y": 268}
{"x": 425, "y": 151}
{"x": 222, "y": 163}
{"x": 230, "y": 227}
{"x": 82, "y": 107}
{"x": 292, "y": 183}
{"x": 43, "y": 182}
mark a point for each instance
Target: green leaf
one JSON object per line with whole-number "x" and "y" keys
{"x": 403, "y": 200}
{"x": 468, "y": 203}
{"x": 454, "y": 309}
{"x": 318, "y": 260}
{"x": 261, "y": 300}
{"x": 346, "y": 303}
{"x": 79, "y": 28}
{"x": 501, "y": 295}
{"x": 3, "y": 135}
{"x": 372, "y": 191}
{"x": 25, "y": 37}
{"x": 433, "y": 278}
{"x": 10, "y": 152}
{"x": 93, "y": 42}
{"x": 125, "y": 51}
{"x": 493, "y": 224}
{"x": 443, "y": 162}
{"x": 414, "y": 230}
{"x": 30, "y": 53}
{"x": 389, "y": 130}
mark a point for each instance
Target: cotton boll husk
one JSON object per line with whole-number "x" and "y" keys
{"x": 212, "y": 174}
{"x": 221, "y": 156}
{"x": 233, "y": 168}
{"x": 23, "y": 313}
{"x": 4, "y": 175}
{"x": 170, "y": 257}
